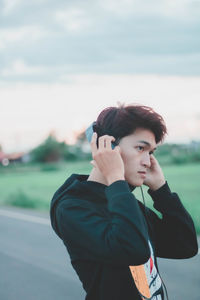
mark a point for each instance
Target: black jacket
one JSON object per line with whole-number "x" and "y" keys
{"x": 106, "y": 229}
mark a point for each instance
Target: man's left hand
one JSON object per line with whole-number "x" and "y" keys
{"x": 154, "y": 177}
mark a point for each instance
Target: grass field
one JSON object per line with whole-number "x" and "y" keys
{"x": 34, "y": 187}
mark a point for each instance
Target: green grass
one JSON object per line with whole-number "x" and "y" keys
{"x": 34, "y": 187}
{"x": 36, "y": 184}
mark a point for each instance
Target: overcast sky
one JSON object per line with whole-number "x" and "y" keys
{"x": 61, "y": 62}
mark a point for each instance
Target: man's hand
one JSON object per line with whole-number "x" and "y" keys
{"x": 154, "y": 177}
{"x": 107, "y": 160}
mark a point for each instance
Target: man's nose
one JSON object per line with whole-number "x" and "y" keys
{"x": 146, "y": 161}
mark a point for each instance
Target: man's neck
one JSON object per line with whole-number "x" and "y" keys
{"x": 95, "y": 175}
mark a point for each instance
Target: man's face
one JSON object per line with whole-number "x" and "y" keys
{"x": 136, "y": 150}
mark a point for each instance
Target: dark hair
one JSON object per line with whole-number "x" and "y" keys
{"x": 124, "y": 120}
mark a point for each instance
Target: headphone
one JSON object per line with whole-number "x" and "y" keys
{"x": 93, "y": 128}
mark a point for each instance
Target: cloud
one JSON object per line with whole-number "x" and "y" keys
{"x": 168, "y": 8}
{"x": 103, "y": 36}
{"x": 10, "y": 36}
{"x": 9, "y": 5}
{"x": 73, "y": 19}
{"x": 19, "y": 67}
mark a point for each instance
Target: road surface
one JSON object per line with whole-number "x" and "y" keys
{"x": 34, "y": 264}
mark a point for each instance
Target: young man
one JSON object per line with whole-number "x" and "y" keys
{"x": 112, "y": 238}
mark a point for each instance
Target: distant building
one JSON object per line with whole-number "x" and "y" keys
{"x": 6, "y": 159}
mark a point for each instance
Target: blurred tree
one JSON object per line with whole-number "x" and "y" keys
{"x": 53, "y": 151}
{"x": 178, "y": 153}
{"x": 49, "y": 151}
{"x": 83, "y": 146}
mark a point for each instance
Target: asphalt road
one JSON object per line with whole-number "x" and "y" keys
{"x": 34, "y": 264}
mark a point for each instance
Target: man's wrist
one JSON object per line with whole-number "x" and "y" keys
{"x": 157, "y": 185}
{"x": 110, "y": 180}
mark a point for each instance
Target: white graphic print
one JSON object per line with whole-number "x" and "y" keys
{"x": 153, "y": 277}
{"x": 147, "y": 279}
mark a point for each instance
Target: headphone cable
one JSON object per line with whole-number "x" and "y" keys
{"x": 143, "y": 199}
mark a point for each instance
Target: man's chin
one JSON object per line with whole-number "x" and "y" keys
{"x": 136, "y": 183}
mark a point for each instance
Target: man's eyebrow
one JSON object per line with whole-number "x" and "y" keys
{"x": 147, "y": 143}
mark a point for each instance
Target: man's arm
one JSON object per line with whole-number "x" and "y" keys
{"x": 175, "y": 235}
{"x": 118, "y": 235}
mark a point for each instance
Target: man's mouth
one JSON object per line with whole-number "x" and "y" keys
{"x": 143, "y": 174}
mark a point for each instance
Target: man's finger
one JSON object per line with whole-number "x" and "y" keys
{"x": 153, "y": 159}
{"x": 102, "y": 142}
{"x": 93, "y": 143}
{"x": 105, "y": 141}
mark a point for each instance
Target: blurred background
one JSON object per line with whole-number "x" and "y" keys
{"x": 62, "y": 62}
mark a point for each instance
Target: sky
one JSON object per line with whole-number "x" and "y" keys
{"x": 62, "y": 62}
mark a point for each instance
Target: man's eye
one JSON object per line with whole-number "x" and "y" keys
{"x": 140, "y": 147}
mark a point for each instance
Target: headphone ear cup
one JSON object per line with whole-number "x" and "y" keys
{"x": 89, "y": 132}
{"x": 96, "y": 129}
{"x": 115, "y": 143}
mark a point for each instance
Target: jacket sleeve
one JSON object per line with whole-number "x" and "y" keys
{"x": 120, "y": 238}
{"x": 175, "y": 235}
